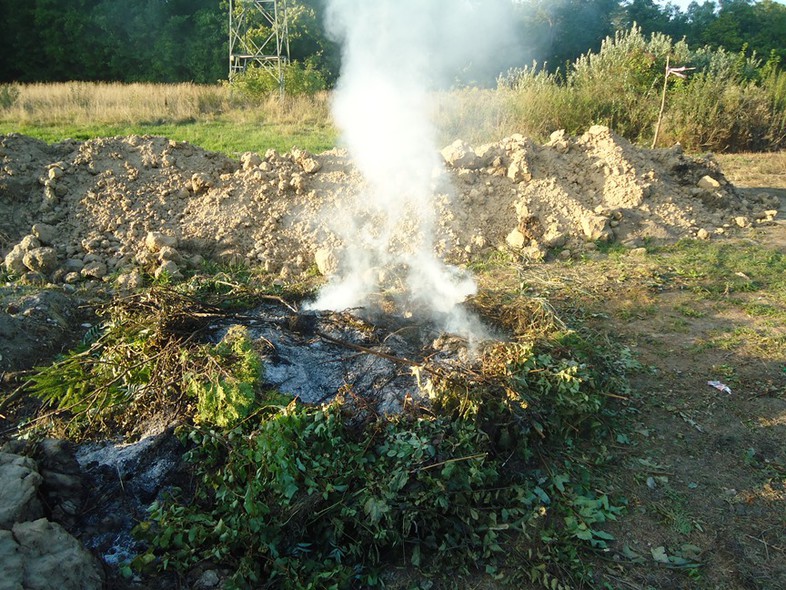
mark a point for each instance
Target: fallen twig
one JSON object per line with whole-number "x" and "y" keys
{"x": 384, "y": 355}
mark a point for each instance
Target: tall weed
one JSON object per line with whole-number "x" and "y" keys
{"x": 732, "y": 101}
{"x": 712, "y": 113}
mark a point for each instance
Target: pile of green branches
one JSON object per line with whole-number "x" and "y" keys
{"x": 313, "y": 497}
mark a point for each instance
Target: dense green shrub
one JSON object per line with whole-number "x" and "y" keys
{"x": 227, "y": 396}
{"x": 8, "y": 95}
{"x": 299, "y": 79}
{"x": 729, "y": 102}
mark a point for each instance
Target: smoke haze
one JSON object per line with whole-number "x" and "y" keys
{"x": 394, "y": 53}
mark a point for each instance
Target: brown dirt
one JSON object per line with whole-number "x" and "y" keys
{"x": 95, "y": 202}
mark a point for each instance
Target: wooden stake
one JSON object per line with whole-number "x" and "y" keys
{"x": 662, "y": 103}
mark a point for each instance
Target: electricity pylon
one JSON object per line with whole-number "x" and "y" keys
{"x": 258, "y": 34}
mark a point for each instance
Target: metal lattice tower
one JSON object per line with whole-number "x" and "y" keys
{"x": 270, "y": 50}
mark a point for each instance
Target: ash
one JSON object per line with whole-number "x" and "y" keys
{"x": 125, "y": 478}
{"x": 316, "y": 355}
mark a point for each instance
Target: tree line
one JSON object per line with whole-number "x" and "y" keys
{"x": 187, "y": 40}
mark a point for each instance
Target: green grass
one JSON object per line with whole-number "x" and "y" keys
{"x": 229, "y": 137}
{"x": 719, "y": 269}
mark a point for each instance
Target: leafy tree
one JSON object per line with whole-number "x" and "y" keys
{"x": 17, "y": 40}
{"x": 654, "y": 18}
{"x": 308, "y": 40}
{"x": 113, "y": 40}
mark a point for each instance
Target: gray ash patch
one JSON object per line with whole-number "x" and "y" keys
{"x": 314, "y": 356}
{"x": 124, "y": 480}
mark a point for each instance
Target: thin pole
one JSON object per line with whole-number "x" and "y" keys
{"x": 662, "y": 103}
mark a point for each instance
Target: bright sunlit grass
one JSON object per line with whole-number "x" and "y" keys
{"x": 209, "y": 116}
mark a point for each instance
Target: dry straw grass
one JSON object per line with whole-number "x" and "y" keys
{"x": 474, "y": 115}
{"x": 89, "y": 103}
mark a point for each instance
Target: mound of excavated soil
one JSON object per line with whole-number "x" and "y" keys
{"x": 79, "y": 211}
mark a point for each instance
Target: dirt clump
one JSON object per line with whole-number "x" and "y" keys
{"x": 37, "y": 324}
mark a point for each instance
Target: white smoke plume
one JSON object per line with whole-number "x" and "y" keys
{"x": 394, "y": 53}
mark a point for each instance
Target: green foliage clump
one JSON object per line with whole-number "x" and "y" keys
{"x": 324, "y": 497}
{"x": 299, "y": 79}
{"x": 110, "y": 368}
{"x": 145, "y": 355}
{"x": 227, "y": 396}
{"x": 309, "y": 501}
{"x": 8, "y": 95}
{"x": 731, "y": 101}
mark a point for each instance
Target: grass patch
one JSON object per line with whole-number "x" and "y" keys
{"x": 690, "y": 311}
{"x": 225, "y": 136}
{"x": 751, "y": 341}
{"x": 720, "y": 269}
{"x": 764, "y": 310}
{"x": 212, "y": 117}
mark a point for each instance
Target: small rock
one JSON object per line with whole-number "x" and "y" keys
{"x": 169, "y": 268}
{"x": 306, "y": 161}
{"x": 534, "y": 252}
{"x": 703, "y": 234}
{"x": 130, "y": 281}
{"x": 94, "y": 270}
{"x": 742, "y": 221}
{"x": 144, "y": 258}
{"x": 201, "y": 182}
{"x": 310, "y": 165}
{"x": 53, "y": 559}
{"x": 326, "y": 260}
{"x": 19, "y": 481}
{"x": 208, "y": 579}
{"x": 708, "y": 182}
{"x": 169, "y": 253}
{"x": 559, "y": 141}
{"x": 71, "y": 278}
{"x": 638, "y": 252}
{"x": 14, "y": 261}
{"x": 12, "y": 560}
{"x": 73, "y": 265}
{"x": 519, "y": 169}
{"x": 231, "y": 257}
{"x": 564, "y": 254}
{"x": 250, "y": 160}
{"x": 55, "y": 172}
{"x": 596, "y": 227}
{"x": 92, "y": 244}
{"x": 516, "y": 239}
{"x": 50, "y": 197}
{"x": 46, "y": 234}
{"x": 29, "y": 242}
{"x": 156, "y": 240}
{"x": 43, "y": 260}
{"x": 298, "y": 182}
{"x": 461, "y": 155}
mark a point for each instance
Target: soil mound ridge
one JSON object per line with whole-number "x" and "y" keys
{"x": 109, "y": 207}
